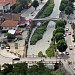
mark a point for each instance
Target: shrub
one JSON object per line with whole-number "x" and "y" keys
{"x": 40, "y": 54}
{"x": 38, "y": 33}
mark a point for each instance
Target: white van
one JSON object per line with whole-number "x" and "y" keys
{"x": 70, "y": 47}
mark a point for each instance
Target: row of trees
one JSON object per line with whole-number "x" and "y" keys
{"x": 58, "y": 40}
{"x": 58, "y": 36}
{"x": 67, "y": 6}
{"x": 21, "y": 4}
{"x": 22, "y": 69}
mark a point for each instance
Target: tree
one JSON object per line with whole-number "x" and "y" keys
{"x": 7, "y": 68}
{"x": 10, "y": 37}
{"x": 20, "y": 68}
{"x": 35, "y": 4}
{"x": 71, "y": 0}
{"x": 60, "y": 23}
{"x": 50, "y": 52}
{"x": 59, "y": 29}
{"x": 59, "y": 36}
{"x": 62, "y": 7}
{"x": 33, "y": 70}
{"x": 68, "y": 10}
{"x": 70, "y": 4}
{"x": 61, "y": 45}
{"x": 40, "y": 54}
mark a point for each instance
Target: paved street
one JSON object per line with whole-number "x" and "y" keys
{"x": 43, "y": 44}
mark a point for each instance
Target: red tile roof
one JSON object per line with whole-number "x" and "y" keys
{"x": 3, "y": 2}
{"x": 9, "y": 16}
{"x": 9, "y": 23}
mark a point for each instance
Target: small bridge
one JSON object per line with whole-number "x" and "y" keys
{"x": 47, "y": 19}
{"x": 43, "y": 19}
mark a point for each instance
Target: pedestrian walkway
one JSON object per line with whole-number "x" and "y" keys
{"x": 43, "y": 44}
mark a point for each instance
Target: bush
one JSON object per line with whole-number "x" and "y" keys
{"x": 50, "y": 52}
{"x": 40, "y": 54}
{"x": 38, "y": 33}
{"x": 46, "y": 10}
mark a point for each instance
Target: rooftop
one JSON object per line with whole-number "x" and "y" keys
{"x": 4, "y": 2}
{"x": 9, "y": 23}
{"x": 10, "y": 16}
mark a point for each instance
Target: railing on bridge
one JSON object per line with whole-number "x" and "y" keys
{"x": 45, "y": 62}
{"x": 46, "y": 19}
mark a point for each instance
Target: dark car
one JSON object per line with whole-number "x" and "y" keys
{"x": 66, "y": 53}
{"x": 16, "y": 58}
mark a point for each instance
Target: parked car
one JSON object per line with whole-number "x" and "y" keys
{"x": 70, "y": 47}
{"x": 16, "y": 58}
{"x": 65, "y": 35}
{"x": 66, "y": 29}
{"x": 69, "y": 33}
{"x": 67, "y": 53}
{"x": 74, "y": 67}
{"x": 74, "y": 44}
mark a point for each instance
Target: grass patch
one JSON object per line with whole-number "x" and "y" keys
{"x": 46, "y": 10}
{"x": 50, "y": 51}
{"x": 38, "y": 33}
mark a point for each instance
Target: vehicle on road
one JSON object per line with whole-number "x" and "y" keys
{"x": 69, "y": 33}
{"x": 74, "y": 67}
{"x": 16, "y": 58}
{"x": 67, "y": 53}
{"x": 70, "y": 47}
{"x": 66, "y": 29}
{"x": 74, "y": 44}
{"x": 65, "y": 35}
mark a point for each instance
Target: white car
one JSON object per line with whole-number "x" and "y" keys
{"x": 66, "y": 29}
{"x": 74, "y": 67}
{"x": 70, "y": 47}
{"x": 74, "y": 44}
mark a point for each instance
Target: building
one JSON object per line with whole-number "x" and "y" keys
{"x": 6, "y": 5}
{"x": 9, "y": 16}
{"x": 9, "y": 24}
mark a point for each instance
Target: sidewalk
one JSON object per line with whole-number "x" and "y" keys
{"x": 31, "y": 12}
{"x": 43, "y": 44}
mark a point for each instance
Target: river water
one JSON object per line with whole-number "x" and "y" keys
{"x": 44, "y": 43}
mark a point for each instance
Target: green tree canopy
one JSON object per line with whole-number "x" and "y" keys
{"x": 59, "y": 36}
{"x": 40, "y": 54}
{"x": 62, "y": 7}
{"x": 59, "y": 29}
{"x": 35, "y": 4}
{"x": 60, "y": 23}
{"x": 61, "y": 45}
{"x": 68, "y": 10}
